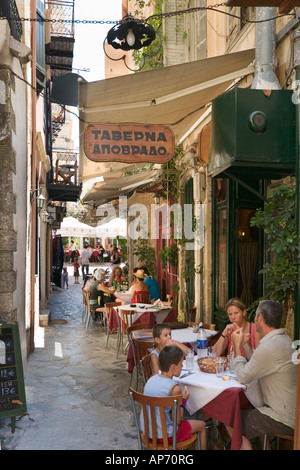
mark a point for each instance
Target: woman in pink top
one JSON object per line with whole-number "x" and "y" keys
{"x": 237, "y": 314}
{"x": 139, "y": 291}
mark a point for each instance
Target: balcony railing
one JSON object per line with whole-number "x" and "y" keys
{"x": 9, "y": 10}
{"x": 64, "y": 185}
{"x": 59, "y": 52}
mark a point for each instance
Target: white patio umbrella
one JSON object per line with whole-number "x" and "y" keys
{"x": 112, "y": 229}
{"x": 72, "y": 227}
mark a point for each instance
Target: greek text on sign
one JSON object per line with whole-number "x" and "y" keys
{"x": 129, "y": 143}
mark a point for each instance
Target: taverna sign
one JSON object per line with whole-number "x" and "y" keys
{"x": 129, "y": 143}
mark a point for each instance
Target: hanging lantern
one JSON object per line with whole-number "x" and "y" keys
{"x": 131, "y": 34}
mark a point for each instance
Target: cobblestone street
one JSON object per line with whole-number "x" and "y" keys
{"x": 76, "y": 389}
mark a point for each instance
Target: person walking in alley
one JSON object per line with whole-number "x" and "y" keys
{"x": 85, "y": 259}
{"x": 73, "y": 251}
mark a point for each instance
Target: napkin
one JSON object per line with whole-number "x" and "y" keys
{"x": 158, "y": 304}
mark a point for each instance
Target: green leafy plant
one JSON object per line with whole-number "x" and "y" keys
{"x": 153, "y": 52}
{"x": 278, "y": 222}
{"x": 171, "y": 175}
{"x": 146, "y": 255}
{"x": 169, "y": 254}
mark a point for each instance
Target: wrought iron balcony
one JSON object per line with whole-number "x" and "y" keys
{"x": 64, "y": 186}
{"x": 59, "y": 52}
{"x": 9, "y": 10}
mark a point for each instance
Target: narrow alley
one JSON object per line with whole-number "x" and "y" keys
{"x": 76, "y": 389}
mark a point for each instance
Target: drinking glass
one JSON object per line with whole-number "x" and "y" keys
{"x": 189, "y": 357}
{"x": 211, "y": 351}
{"x": 220, "y": 368}
{"x": 230, "y": 364}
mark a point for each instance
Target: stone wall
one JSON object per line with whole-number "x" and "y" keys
{"x": 8, "y": 236}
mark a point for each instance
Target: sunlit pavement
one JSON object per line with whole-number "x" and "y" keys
{"x": 76, "y": 389}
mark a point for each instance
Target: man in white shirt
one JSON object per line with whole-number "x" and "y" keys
{"x": 271, "y": 363}
{"x": 85, "y": 259}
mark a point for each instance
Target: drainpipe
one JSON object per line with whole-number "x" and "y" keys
{"x": 265, "y": 44}
{"x": 297, "y": 104}
{"x": 33, "y": 177}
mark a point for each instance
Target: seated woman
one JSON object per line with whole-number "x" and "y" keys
{"x": 237, "y": 314}
{"x": 139, "y": 291}
{"x": 116, "y": 277}
{"x": 100, "y": 295}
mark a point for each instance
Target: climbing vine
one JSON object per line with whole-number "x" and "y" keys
{"x": 278, "y": 221}
{"x": 154, "y": 52}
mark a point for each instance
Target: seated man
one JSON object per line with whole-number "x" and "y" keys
{"x": 152, "y": 285}
{"x": 272, "y": 364}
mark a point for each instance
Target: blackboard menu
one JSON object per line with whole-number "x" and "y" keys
{"x": 12, "y": 389}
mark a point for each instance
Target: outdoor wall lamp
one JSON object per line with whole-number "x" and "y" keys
{"x": 131, "y": 34}
{"x": 50, "y": 220}
{"x": 156, "y": 199}
{"x": 45, "y": 216}
{"x": 35, "y": 195}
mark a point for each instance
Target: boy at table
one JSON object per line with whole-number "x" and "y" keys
{"x": 163, "y": 385}
{"x": 162, "y": 337}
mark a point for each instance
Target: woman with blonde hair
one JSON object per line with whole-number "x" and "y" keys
{"x": 116, "y": 277}
{"x": 237, "y": 315}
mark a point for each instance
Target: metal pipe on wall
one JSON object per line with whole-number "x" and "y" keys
{"x": 265, "y": 45}
{"x": 33, "y": 176}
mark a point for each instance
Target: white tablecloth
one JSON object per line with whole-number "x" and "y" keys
{"x": 160, "y": 313}
{"x": 204, "y": 387}
{"x": 186, "y": 335}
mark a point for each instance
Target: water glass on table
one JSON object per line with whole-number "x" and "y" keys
{"x": 230, "y": 358}
{"x": 220, "y": 368}
{"x": 211, "y": 351}
{"x": 189, "y": 358}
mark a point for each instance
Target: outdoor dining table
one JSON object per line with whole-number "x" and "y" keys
{"x": 218, "y": 399}
{"x": 183, "y": 335}
{"x": 142, "y": 313}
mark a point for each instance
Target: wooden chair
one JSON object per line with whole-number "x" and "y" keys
{"x": 108, "y": 308}
{"x": 85, "y": 308}
{"x": 137, "y": 326}
{"x": 141, "y": 348}
{"x": 285, "y": 437}
{"x": 161, "y": 403}
{"x": 168, "y": 302}
{"x": 124, "y": 322}
{"x": 87, "y": 300}
{"x": 89, "y": 313}
{"x": 142, "y": 298}
{"x": 145, "y": 364}
{"x": 206, "y": 326}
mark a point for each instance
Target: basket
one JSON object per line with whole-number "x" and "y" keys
{"x": 208, "y": 364}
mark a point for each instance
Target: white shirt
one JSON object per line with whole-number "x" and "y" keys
{"x": 85, "y": 256}
{"x": 271, "y": 363}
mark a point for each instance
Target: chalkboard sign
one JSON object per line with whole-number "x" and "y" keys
{"x": 12, "y": 389}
